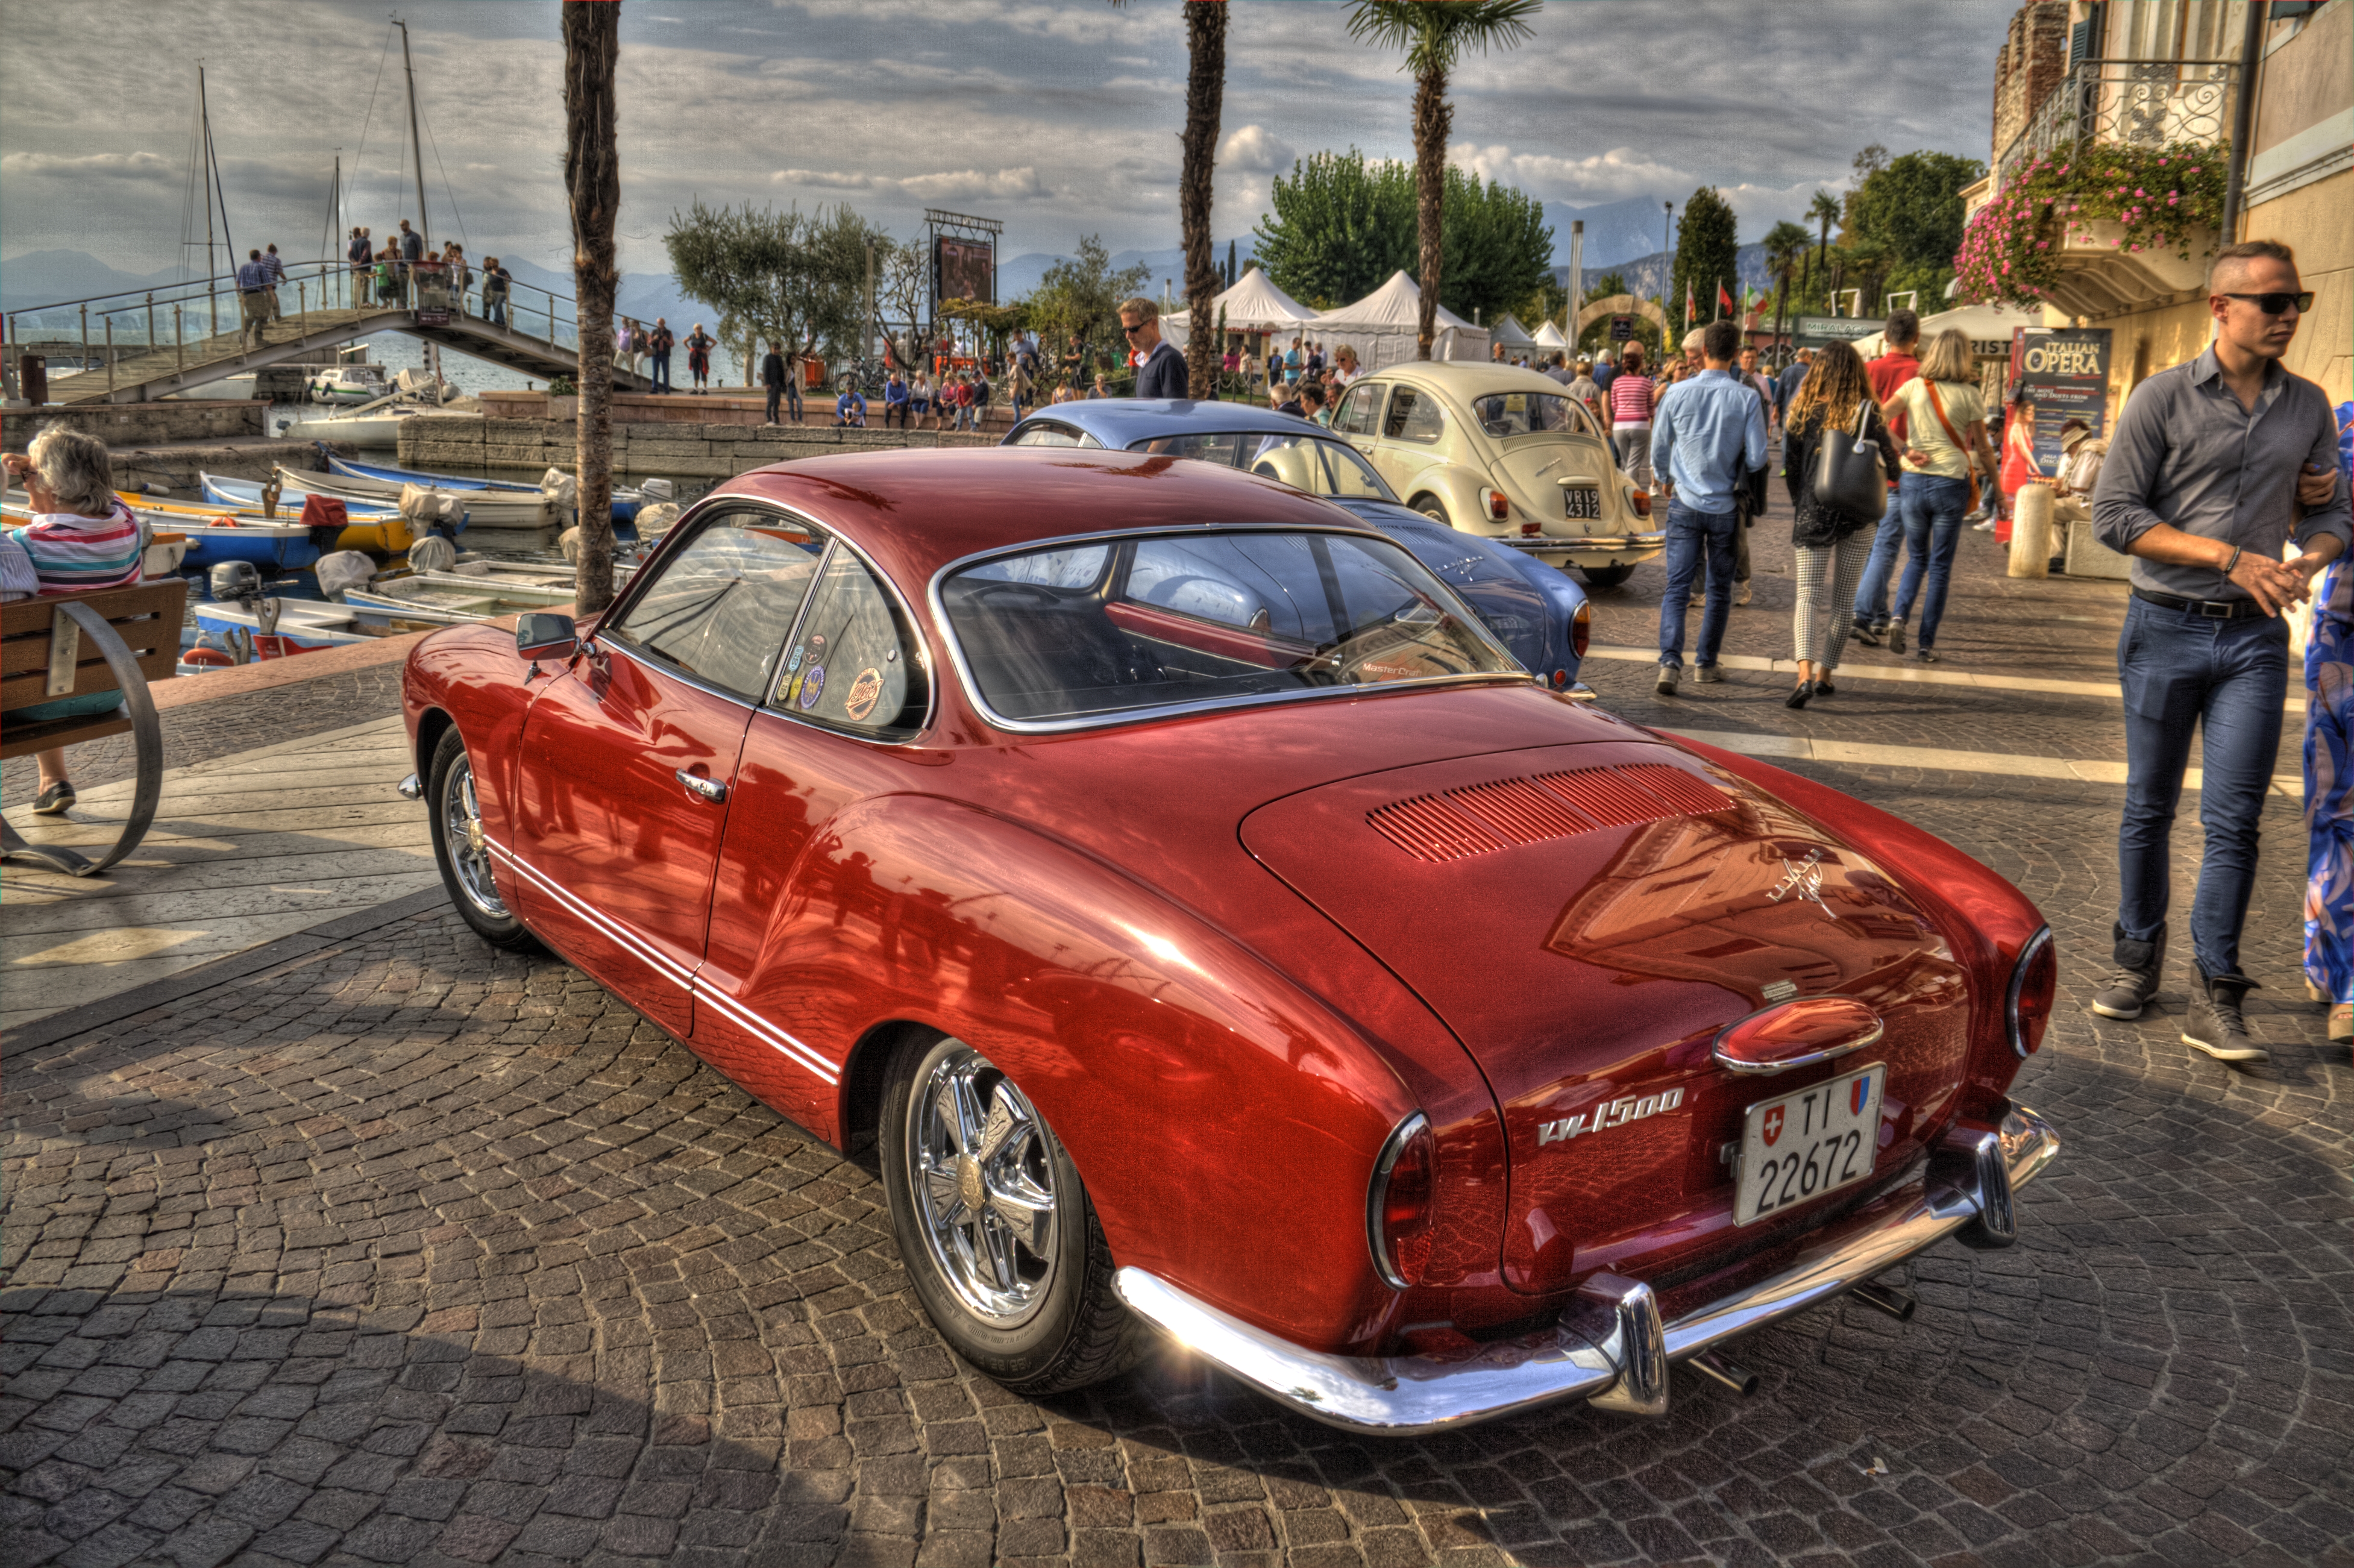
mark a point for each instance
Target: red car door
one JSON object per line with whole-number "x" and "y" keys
{"x": 854, "y": 689}
{"x": 624, "y": 776}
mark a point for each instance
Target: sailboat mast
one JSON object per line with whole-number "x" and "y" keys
{"x": 416, "y": 147}
{"x": 204, "y": 178}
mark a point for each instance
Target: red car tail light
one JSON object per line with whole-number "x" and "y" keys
{"x": 1642, "y": 502}
{"x": 2034, "y": 980}
{"x": 1398, "y": 1203}
{"x": 1498, "y": 506}
{"x": 1581, "y": 630}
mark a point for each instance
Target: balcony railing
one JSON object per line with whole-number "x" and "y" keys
{"x": 2150, "y": 104}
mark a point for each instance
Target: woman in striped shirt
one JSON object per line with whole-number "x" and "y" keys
{"x": 82, "y": 537}
{"x": 1630, "y": 416}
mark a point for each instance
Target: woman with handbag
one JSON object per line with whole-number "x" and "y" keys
{"x": 1832, "y": 438}
{"x": 1944, "y": 427}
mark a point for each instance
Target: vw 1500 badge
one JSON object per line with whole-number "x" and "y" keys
{"x": 1617, "y": 1113}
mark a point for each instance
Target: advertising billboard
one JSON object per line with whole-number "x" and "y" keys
{"x": 964, "y": 270}
{"x": 2066, "y": 372}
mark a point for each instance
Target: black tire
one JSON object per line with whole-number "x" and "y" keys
{"x": 466, "y": 870}
{"x": 1605, "y": 577}
{"x": 1429, "y": 507}
{"x": 1072, "y": 1330}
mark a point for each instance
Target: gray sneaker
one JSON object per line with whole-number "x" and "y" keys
{"x": 1896, "y": 637}
{"x": 1669, "y": 674}
{"x": 1707, "y": 675}
{"x": 2216, "y": 1026}
{"x": 2135, "y": 980}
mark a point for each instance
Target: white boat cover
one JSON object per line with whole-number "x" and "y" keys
{"x": 1383, "y": 327}
{"x": 1253, "y": 304}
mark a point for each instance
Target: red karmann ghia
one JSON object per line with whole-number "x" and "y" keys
{"x": 1211, "y": 928}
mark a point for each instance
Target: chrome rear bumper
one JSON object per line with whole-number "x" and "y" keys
{"x": 1605, "y": 549}
{"x": 1612, "y": 1348}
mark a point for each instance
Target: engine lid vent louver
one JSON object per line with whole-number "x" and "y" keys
{"x": 1481, "y": 818}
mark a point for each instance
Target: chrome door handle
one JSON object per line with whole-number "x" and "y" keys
{"x": 708, "y": 788}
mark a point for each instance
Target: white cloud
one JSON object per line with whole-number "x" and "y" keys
{"x": 1604, "y": 177}
{"x": 1256, "y": 148}
{"x": 91, "y": 166}
{"x": 1005, "y": 184}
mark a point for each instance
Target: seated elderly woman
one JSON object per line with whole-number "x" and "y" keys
{"x": 82, "y": 537}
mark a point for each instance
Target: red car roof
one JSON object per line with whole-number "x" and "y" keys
{"x": 916, "y": 511}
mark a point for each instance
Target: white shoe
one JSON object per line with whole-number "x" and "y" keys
{"x": 1985, "y": 527}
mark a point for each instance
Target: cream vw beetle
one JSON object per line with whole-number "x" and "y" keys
{"x": 1502, "y": 453}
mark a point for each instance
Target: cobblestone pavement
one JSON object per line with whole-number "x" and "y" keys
{"x": 408, "y": 1252}
{"x": 198, "y": 732}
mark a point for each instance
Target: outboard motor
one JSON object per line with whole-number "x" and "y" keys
{"x": 236, "y": 580}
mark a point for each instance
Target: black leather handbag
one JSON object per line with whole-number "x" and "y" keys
{"x": 1848, "y": 474}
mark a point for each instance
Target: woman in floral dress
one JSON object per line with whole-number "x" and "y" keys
{"x": 2330, "y": 778}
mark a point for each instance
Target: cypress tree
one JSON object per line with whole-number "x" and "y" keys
{"x": 1707, "y": 252}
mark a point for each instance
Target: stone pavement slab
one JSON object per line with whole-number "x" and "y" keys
{"x": 246, "y": 848}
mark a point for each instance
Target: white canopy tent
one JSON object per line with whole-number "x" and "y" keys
{"x": 1385, "y": 325}
{"x": 1987, "y": 325}
{"x": 1253, "y": 304}
{"x": 1507, "y": 330}
{"x": 1549, "y": 336}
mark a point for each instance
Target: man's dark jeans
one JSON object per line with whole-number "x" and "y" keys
{"x": 2227, "y": 678}
{"x": 662, "y": 372}
{"x": 776, "y": 396}
{"x": 1930, "y": 506}
{"x": 1693, "y": 536}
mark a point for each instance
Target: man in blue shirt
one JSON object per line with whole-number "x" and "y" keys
{"x": 253, "y": 294}
{"x": 849, "y": 408}
{"x": 1707, "y": 434}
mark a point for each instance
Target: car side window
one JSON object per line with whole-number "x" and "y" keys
{"x": 855, "y": 662}
{"x": 1359, "y": 412}
{"x": 1052, "y": 436}
{"x": 722, "y": 604}
{"x": 1414, "y": 417}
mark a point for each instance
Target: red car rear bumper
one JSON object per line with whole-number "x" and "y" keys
{"x": 1615, "y": 1348}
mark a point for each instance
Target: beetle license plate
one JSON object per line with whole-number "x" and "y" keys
{"x": 1797, "y": 1146}
{"x": 1581, "y": 501}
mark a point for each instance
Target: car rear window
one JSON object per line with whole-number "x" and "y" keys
{"x": 1074, "y": 633}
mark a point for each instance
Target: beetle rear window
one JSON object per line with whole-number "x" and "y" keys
{"x": 1068, "y": 634}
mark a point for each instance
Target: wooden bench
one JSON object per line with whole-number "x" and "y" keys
{"x": 77, "y": 645}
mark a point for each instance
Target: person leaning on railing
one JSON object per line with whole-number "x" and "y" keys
{"x": 82, "y": 537}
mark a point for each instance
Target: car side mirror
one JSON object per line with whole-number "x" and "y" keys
{"x": 544, "y": 636}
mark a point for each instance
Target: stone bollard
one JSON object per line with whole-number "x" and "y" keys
{"x": 2031, "y": 532}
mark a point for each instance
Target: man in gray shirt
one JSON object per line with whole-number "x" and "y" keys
{"x": 2210, "y": 464}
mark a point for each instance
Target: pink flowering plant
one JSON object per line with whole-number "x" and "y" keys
{"x": 2161, "y": 198}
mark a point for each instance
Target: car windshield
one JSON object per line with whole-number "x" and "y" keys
{"x": 1063, "y": 635}
{"x": 1508, "y": 414}
{"x": 1316, "y": 465}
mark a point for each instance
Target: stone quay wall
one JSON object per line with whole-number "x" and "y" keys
{"x": 464, "y": 441}
{"x": 143, "y": 424}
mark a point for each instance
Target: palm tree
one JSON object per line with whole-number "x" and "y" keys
{"x": 592, "y": 180}
{"x": 1825, "y": 209}
{"x": 1434, "y": 35}
{"x": 1205, "y": 89}
{"x": 1785, "y": 246}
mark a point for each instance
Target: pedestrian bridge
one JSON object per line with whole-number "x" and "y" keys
{"x": 541, "y": 338}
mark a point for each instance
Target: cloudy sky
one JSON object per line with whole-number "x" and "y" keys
{"x": 1058, "y": 116}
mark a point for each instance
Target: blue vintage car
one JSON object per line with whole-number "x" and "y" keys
{"x": 1534, "y": 609}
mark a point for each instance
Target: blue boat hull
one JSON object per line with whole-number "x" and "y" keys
{"x": 286, "y": 553}
{"x": 625, "y": 511}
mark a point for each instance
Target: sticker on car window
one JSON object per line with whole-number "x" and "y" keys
{"x": 812, "y": 685}
{"x": 865, "y": 692}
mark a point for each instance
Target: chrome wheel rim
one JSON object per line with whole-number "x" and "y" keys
{"x": 982, "y": 1176}
{"x": 461, "y": 830}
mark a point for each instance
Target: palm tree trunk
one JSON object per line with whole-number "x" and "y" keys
{"x": 1205, "y": 89}
{"x": 592, "y": 180}
{"x": 1434, "y": 118}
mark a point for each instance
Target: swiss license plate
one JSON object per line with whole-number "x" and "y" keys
{"x": 1799, "y": 1146}
{"x": 1581, "y": 501}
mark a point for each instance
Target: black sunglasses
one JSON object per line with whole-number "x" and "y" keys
{"x": 1132, "y": 330}
{"x": 2277, "y": 305}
